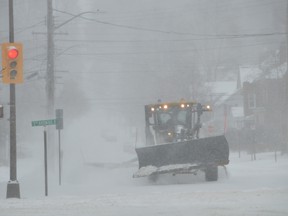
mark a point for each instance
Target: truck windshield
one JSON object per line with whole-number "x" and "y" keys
{"x": 173, "y": 116}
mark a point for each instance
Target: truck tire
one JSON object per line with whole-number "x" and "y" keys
{"x": 211, "y": 173}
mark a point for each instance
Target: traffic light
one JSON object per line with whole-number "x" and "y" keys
{"x": 12, "y": 63}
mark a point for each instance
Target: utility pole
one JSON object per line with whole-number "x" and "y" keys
{"x": 286, "y": 84}
{"x": 50, "y": 74}
{"x": 50, "y": 79}
{"x": 13, "y": 189}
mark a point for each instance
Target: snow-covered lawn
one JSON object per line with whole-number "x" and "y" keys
{"x": 251, "y": 188}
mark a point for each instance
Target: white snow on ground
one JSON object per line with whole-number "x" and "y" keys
{"x": 148, "y": 170}
{"x": 94, "y": 186}
{"x": 251, "y": 188}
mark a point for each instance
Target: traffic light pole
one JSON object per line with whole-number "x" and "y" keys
{"x": 13, "y": 188}
{"x": 50, "y": 84}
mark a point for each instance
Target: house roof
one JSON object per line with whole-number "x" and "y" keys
{"x": 253, "y": 73}
{"x": 221, "y": 90}
{"x": 249, "y": 74}
{"x": 278, "y": 72}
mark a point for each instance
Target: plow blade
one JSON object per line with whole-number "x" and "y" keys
{"x": 184, "y": 155}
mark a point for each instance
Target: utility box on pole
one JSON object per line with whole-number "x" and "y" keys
{"x": 1, "y": 111}
{"x": 59, "y": 119}
{"x": 59, "y": 127}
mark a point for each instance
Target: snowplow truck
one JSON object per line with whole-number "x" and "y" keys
{"x": 173, "y": 144}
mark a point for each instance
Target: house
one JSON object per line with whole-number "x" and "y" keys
{"x": 265, "y": 107}
{"x": 224, "y": 97}
{"x": 251, "y": 109}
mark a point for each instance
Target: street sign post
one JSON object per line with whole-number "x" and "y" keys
{"x": 44, "y": 122}
{"x": 59, "y": 127}
{"x": 45, "y": 162}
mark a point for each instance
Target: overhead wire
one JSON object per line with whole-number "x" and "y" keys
{"x": 171, "y": 31}
{"x": 166, "y": 51}
{"x": 240, "y": 36}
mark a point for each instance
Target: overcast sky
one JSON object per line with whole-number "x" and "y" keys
{"x": 135, "y": 52}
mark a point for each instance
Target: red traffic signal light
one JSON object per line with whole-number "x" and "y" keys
{"x": 12, "y": 63}
{"x": 12, "y": 53}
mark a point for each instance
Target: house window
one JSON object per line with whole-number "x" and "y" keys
{"x": 252, "y": 100}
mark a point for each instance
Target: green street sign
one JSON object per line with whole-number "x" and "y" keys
{"x": 44, "y": 122}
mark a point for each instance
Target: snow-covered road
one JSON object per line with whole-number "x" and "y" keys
{"x": 185, "y": 202}
{"x": 251, "y": 188}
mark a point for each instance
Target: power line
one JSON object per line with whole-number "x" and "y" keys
{"x": 22, "y": 29}
{"x": 168, "y": 51}
{"x": 221, "y": 5}
{"x": 173, "y": 32}
{"x": 176, "y": 40}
